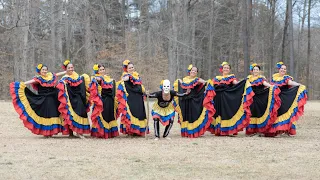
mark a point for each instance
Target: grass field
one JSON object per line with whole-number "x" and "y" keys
{"x": 27, "y": 156}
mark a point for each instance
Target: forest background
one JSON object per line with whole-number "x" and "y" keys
{"x": 161, "y": 37}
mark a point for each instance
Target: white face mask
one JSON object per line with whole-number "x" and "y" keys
{"x": 166, "y": 86}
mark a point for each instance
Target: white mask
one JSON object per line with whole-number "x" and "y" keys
{"x": 166, "y": 86}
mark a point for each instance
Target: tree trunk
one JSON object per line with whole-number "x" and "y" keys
{"x": 210, "y": 42}
{"x": 59, "y": 57}
{"x": 300, "y": 36}
{"x": 87, "y": 62}
{"x": 172, "y": 48}
{"x": 51, "y": 60}
{"x": 291, "y": 43}
{"x": 309, "y": 51}
{"x": 285, "y": 33}
{"x": 271, "y": 63}
{"x": 245, "y": 39}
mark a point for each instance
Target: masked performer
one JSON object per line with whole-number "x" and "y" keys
{"x": 232, "y": 103}
{"x": 39, "y": 112}
{"x": 130, "y": 97}
{"x": 266, "y": 102}
{"x": 102, "y": 95}
{"x": 74, "y": 104}
{"x": 196, "y": 109}
{"x": 293, "y": 98}
{"x": 163, "y": 109}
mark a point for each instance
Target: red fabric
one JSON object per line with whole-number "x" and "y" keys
{"x": 24, "y": 118}
{"x": 64, "y": 112}
{"x": 211, "y": 111}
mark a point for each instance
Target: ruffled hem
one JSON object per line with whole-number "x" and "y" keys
{"x": 163, "y": 114}
{"x": 101, "y": 128}
{"x": 270, "y": 116}
{"x": 71, "y": 81}
{"x": 201, "y": 125}
{"x": 284, "y": 122}
{"x": 72, "y": 121}
{"x": 280, "y": 81}
{"x": 224, "y": 80}
{"x": 29, "y": 118}
{"x": 106, "y": 135}
{"x": 242, "y": 116}
{"x": 191, "y": 84}
{"x": 129, "y": 123}
{"x": 165, "y": 120}
{"x": 110, "y": 132}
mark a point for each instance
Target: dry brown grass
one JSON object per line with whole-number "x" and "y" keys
{"x": 27, "y": 156}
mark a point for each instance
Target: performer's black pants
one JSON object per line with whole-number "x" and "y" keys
{"x": 157, "y": 128}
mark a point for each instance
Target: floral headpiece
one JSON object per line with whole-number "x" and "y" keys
{"x": 95, "y": 68}
{"x": 125, "y": 65}
{"x": 189, "y": 68}
{"x": 279, "y": 64}
{"x": 65, "y": 64}
{"x": 221, "y": 66}
{"x": 39, "y": 67}
{"x": 252, "y": 66}
{"x": 161, "y": 84}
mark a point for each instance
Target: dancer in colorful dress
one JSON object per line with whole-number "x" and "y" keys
{"x": 163, "y": 109}
{"x": 102, "y": 95}
{"x": 39, "y": 112}
{"x": 266, "y": 102}
{"x": 196, "y": 109}
{"x": 130, "y": 97}
{"x": 74, "y": 104}
{"x": 293, "y": 98}
{"x": 232, "y": 103}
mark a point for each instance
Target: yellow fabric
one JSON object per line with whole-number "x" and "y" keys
{"x": 253, "y": 78}
{"x": 231, "y": 122}
{"x": 73, "y": 76}
{"x": 31, "y": 113}
{"x": 134, "y": 120}
{"x": 221, "y": 77}
{"x": 188, "y": 79}
{"x": 195, "y": 124}
{"x": 87, "y": 83}
{"x": 143, "y": 88}
{"x": 76, "y": 117}
{"x": 134, "y": 74}
{"x": 260, "y": 120}
{"x": 277, "y": 77}
{"x": 163, "y": 111}
{"x": 48, "y": 77}
{"x": 108, "y": 80}
{"x": 186, "y": 124}
{"x": 107, "y": 125}
{"x": 176, "y": 99}
{"x": 288, "y": 114}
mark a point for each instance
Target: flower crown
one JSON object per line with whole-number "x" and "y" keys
{"x": 189, "y": 68}
{"x": 161, "y": 84}
{"x": 95, "y": 68}
{"x": 65, "y": 64}
{"x": 221, "y": 66}
{"x": 252, "y": 66}
{"x": 125, "y": 64}
{"x": 279, "y": 64}
{"x": 39, "y": 67}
